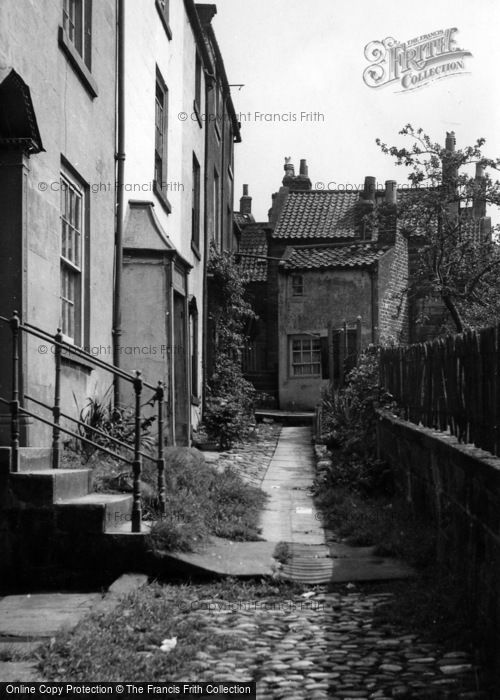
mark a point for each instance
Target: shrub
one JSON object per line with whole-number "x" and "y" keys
{"x": 201, "y": 501}
{"x": 113, "y": 423}
{"x": 229, "y": 397}
{"x": 349, "y": 426}
{"x": 229, "y": 404}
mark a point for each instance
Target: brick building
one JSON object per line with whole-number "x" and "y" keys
{"x": 333, "y": 283}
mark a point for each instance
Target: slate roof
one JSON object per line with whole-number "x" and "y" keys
{"x": 254, "y": 242}
{"x": 318, "y": 214}
{"x": 323, "y": 257}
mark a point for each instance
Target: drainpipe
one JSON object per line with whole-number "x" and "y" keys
{"x": 205, "y": 260}
{"x": 120, "y": 167}
{"x": 223, "y": 175}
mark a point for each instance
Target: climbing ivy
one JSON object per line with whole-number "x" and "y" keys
{"x": 229, "y": 396}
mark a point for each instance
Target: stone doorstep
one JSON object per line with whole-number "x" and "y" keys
{"x": 96, "y": 512}
{"x": 30, "y": 458}
{"x": 46, "y": 486}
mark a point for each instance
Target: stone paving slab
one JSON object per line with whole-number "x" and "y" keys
{"x": 289, "y": 514}
{"x": 228, "y": 558}
{"x": 43, "y": 614}
{"x": 27, "y": 621}
{"x": 18, "y": 671}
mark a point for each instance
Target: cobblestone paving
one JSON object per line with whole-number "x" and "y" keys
{"x": 326, "y": 646}
{"x": 251, "y": 459}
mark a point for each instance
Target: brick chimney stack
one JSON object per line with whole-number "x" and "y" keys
{"x": 364, "y": 208}
{"x": 391, "y": 192}
{"x": 369, "y": 189}
{"x": 296, "y": 183}
{"x": 479, "y": 202}
{"x": 245, "y": 202}
{"x": 450, "y": 170}
{"x": 387, "y": 225}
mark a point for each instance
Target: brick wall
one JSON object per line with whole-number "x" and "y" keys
{"x": 458, "y": 487}
{"x": 392, "y": 291}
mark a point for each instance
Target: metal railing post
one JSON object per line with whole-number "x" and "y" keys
{"x": 14, "y": 404}
{"x": 56, "y": 410}
{"x": 137, "y": 464}
{"x": 160, "y": 395}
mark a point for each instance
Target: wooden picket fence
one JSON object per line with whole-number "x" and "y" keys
{"x": 450, "y": 384}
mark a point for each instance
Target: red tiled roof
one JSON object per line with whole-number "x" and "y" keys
{"x": 253, "y": 242}
{"x": 318, "y": 214}
{"x": 323, "y": 257}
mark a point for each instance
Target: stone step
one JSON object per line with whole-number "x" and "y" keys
{"x": 30, "y": 459}
{"x": 96, "y": 512}
{"x": 44, "y": 487}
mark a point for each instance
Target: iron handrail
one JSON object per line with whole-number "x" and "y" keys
{"x": 16, "y": 409}
{"x": 92, "y": 429}
{"x": 64, "y": 345}
{"x": 68, "y": 432}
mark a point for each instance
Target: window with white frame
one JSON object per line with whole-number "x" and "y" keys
{"x": 305, "y": 356}
{"x": 72, "y": 257}
{"x": 77, "y": 26}
{"x": 161, "y": 132}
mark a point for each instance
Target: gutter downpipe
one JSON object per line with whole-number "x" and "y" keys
{"x": 120, "y": 168}
{"x": 204, "y": 367}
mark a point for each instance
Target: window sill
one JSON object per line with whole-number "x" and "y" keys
{"x": 71, "y": 360}
{"x": 76, "y": 61}
{"x": 195, "y": 250}
{"x": 166, "y": 25}
{"x": 305, "y": 376}
{"x": 162, "y": 198}
{"x": 196, "y": 110}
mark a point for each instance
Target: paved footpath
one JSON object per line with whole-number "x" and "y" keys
{"x": 326, "y": 642}
{"x": 290, "y": 516}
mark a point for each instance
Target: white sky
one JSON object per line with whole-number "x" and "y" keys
{"x": 308, "y": 55}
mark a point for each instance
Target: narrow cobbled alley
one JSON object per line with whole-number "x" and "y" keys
{"x": 324, "y": 642}
{"x": 294, "y": 638}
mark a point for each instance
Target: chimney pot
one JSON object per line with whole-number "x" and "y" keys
{"x": 245, "y": 190}
{"x": 288, "y": 168}
{"x": 303, "y": 167}
{"x": 391, "y": 192}
{"x": 451, "y": 141}
{"x": 369, "y": 188}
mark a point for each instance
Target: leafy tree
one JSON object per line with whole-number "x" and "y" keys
{"x": 229, "y": 396}
{"x": 443, "y": 211}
